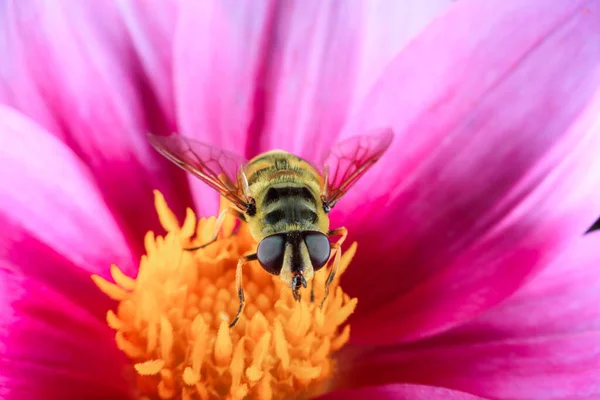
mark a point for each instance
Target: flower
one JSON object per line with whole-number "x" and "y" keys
{"x": 173, "y": 319}
{"x": 472, "y": 275}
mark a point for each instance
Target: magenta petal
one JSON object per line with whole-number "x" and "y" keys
{"x": 151, "y": 26}
{"x": 99, "y": 79}
{"x": 562, "y": 299}
{"x": 254, "y": 76}
{"x": 545, "y": 368}
{"x": 493, "y": 170}
{"x": 53, "y": 348}
{"x": 48, "y": 197}
{"x": 542, "y": 343}
{"x": 399, "y": 392}
{"x": 56, "y": 231}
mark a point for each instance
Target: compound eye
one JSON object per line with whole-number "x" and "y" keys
{"x": 270, "y": 253}
{"x": 319, "y": 248}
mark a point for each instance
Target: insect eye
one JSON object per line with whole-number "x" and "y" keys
{"x": 319, "y": 248}
{"x": 270, "y": 253}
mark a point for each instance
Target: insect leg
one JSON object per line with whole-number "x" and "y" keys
{"x": 312, "y": 291}
{"x": 238, "y": 285}
{"x": 337, "y": 256}
{"x": 218, "y": 225}
{"x": 243, "y": 181}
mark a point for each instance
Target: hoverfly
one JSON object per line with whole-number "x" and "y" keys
{"x": 283, "y": 199}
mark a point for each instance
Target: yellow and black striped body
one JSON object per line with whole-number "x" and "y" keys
{"x": 287, "y": 191}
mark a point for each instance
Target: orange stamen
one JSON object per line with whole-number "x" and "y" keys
{"x": 172, "y": 320}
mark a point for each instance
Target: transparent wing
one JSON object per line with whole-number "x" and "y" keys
{"x": 220, "y": 169}
{"x": 349, "y": 160}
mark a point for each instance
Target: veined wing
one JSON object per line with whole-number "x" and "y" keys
{"x": 218, "y": 168}
{"x": 351, "y": 159}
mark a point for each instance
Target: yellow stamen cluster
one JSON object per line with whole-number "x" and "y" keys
{"x": 172, "y": 320}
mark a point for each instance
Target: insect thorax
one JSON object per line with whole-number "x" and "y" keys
{"x": 287, "y": 191}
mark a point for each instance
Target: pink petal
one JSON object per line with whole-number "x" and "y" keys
{"x": 399, "y": 392}
{"x": 562, "y": 299}
{"x": 150, "y": 25}
{"x": 544, "y": 368}
{"x": 253, "y": 77}
{"x": 542, "y": 343}
{"x": 99, "y": 78}
{"x": 56, "y": 231}
{"x": 52, "y": 347}
{"x": 493, "y": 170}
{"x": 48, "y": 200}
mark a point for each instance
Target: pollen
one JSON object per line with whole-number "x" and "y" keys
{"x": 172, "y": 321}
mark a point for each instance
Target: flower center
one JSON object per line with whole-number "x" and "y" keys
{"x": 172, "y": 320}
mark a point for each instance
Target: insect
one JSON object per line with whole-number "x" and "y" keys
{"x": 283, "y": 199}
